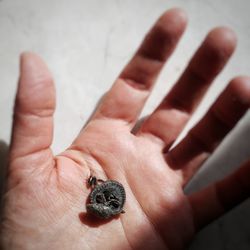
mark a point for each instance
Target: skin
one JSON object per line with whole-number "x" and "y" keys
{"x": 46, "y": 195}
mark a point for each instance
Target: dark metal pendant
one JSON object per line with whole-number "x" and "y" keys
{"x": 106, "y": 199}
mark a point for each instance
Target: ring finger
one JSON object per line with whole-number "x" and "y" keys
{"x": 206, "y": 135}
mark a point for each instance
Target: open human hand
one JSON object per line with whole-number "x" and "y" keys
{"x": 46, "y": 195}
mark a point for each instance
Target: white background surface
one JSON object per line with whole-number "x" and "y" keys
{"x": 87, "y": 43}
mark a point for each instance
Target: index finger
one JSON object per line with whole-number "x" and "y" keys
{"x": 127, "y": 96}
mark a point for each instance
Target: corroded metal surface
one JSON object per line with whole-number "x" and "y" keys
{"x": 106, "y": 199}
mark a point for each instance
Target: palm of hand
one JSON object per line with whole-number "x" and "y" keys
{"x": 58, "y": 194}
{"x": 46, "y": 197}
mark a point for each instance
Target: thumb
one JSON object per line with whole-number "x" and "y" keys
{"x": 32, "y": 131}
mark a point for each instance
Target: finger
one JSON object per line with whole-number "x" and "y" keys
{"x": 169, "y": 118}
{"x": 34, "y": 108}
{"x": 203, "y": 138}
{"x": 127, "y": 96}
{"x": 218, "y": 198}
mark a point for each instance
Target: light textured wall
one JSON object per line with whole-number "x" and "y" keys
{"x": 87, "y": 43}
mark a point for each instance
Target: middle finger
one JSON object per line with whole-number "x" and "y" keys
{"x": 168, "y": 120}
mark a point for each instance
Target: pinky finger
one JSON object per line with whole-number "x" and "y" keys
{"x": 218, "y": 198}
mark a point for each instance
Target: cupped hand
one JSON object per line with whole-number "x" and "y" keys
{"x": 46, "y": 195}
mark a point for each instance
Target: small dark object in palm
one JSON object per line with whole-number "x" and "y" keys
{"x": 106, "y": 199}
